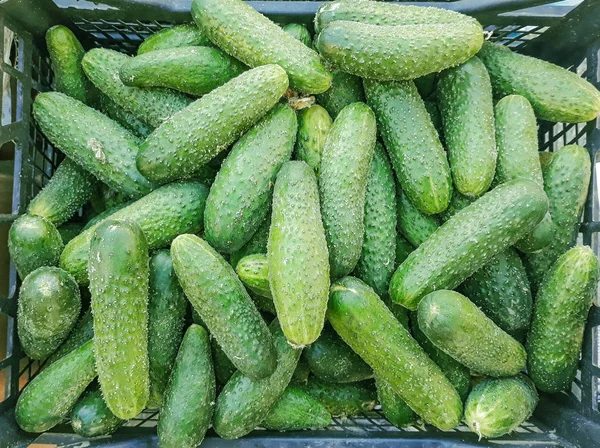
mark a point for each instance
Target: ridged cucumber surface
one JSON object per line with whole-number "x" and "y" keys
{"x": 296, "y": 410}
{"x": 256, "y": 245}
{"x": 90, "y": 417}
{"x": 342, "y": 400}
{"x": 124, "y": 118}
{"x": 414, "y": 225}
{"x": 436, "y": 117}
{"x": 457, "y": 203}
{"x": 299, "y": 32}
{"x": 393, "y": 406}
{"x": 82, "y": 332}
{"x": 177, "y": 36}
{"x": 224, "y": 368}
{"x": 314, "y": 124}
{"x": 345, "y": 89}
{"x": 253, "y": 271}
{"x": 403, "y": 249}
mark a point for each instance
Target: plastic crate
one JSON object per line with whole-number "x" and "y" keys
{"x": 560, "y": 33}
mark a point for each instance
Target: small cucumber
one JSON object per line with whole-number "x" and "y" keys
{"x": 301, "y": 373}
{"x": 342, "y": 400}
{"x": 314, "y": 124}
{"x": 82, "y": 332}
{"x": 299, "y": 32}
{"x": 393, "y": 406}
{"x": 345, "y": 89}
{"x": 91, "y": 417}
{"x": 125, "y": 118}
{"x": 69, "y": 230}
{"x": 224, "y": 368}
{"x": 403, "y": 249}
{"x": 177, "y": 36}
{"x": 296, "y": 410}
{"x": 253, "y": 271}
{"x": 415, "y": 226}
{"x": 256, "y": 245}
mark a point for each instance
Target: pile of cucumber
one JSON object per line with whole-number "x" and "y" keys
{"x": 394, "y": 237}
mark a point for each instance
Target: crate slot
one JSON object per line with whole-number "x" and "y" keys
{"x": 5, "y": 389}
{"x": 28, "y": 369}
{"x": 514, "y": 36}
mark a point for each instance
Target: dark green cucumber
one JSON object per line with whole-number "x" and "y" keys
{"x": 244, "y": 403}
{"x": 403, "y": 249}
{"x": 105, "y": 214}
{"x": 69, "y": 230}
{"x": 210, "y": 124}
{"x": 498, "y": 406}
{"x": 224, "y": 368}
{"x": 465, "y": 101}
{"x": 296, "y": 410}
{"x": 247, "y": 35}
{"x": 417, "y": 155}
{"x": 297, "y": 254}
{"x": 343, "y": 400}
{"x": 357, "y": 314}
{"x": 436, "y": 119}
{"x": 92, "y": 140}
{"x": 256, "y": 245}
{"x": 118, "y": 266}
{"x": 555, "y": 93}
{"x": 545, "y": 159}
{"x": 299, "y": 32}
{"x": 163, "y": 214}
{"x": 415, "y": 226}
{"x": 219, "y": 297}
{"x": 82, "y": 332}
{"x": 345, "y": 89}
{"x": 48, "y": 307}
{"x": 314, "y": 124}
{"x": 253, "y": 271}
{"x": 426, "y": 85}
{"x": 240, "y": 197}
{"x": 393, "y": 406}
{"x": 90, "y": 417}
{"x": 343, "y": 178}
{"x": 33, "y": 242}
{"x": 456, "y": 326}
{"x": 174, "y": 37}
{"x": 301, "y": 373}
{"x": 190, "y": 396}
{"x": 166, "y": 311}
{"x": 125, "y": 118}
{"x": 376, "y": 264}
{"x": 561, "y": 309}
{"x": 457, "y": 203}
{"x": 49, "y": 397}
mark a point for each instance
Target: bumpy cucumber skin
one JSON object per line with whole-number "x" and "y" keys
{"x": 356, "y": 314}
{"x": 297, "y": 254}
{"x": 253, "y": 271}
{"x": 163, "y": 214}
{"x": 69, "y": 230}
{"x": 90, "y": 417}
{"x": 301, "y": 373}
{"x": 219, "y": 297}
{"x": 299, "y": 32}
{"x": 467, "y": 109}
{"x": 457, "y": 203}
{"x": 393, "y": 406}
{"x": 545, "y": 159}
{"x": 330, "y": 359}
{"x": 468, "y": 240}
{"x": 417, "y": 155}
{"x": 498, "y": 406}
{"x": 244, "y": 403}
{"x": 48, "y": 307}
{"x": 178, "y": 36}
{"x": 456, "y": 326}
{"x": 118, "y": 267}
{"x": 436, "y": 119}
{"x": 296, "y": 410}
{"x": 376, "y": 263}
{"x": 33, "y": 242}
{"x": 224, "y": 368}
{"x": 314, "y": 124}
{"x": 561, "y": 308}
{"x": 105, "y": 214}
{"x": 210, "y": 124}
{"x": 92, "y": 140}
{"x": 252, "y": 38}
{"x": 124, "y": 118}
{"x": 48, "y": 398}
{"x": 555, "y": 93}
{"x": 151, "y": 105}
{"x": 256, "y": 245}
{"x": 190, "y": 396}
{"x": 415, "y": 226}
{"x": 82, "y": 332}
{"x": 342, "y": 400}
{"x": 403, "y": 250}
{"x": 345, "y": 89}
{"x": 240, "y": 197}
{"x": 166, "y": 311}
{"x": 343, "y": 178}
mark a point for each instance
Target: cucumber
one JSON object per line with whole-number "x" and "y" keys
{"x": 457, "y": 327}
{"x": 69, "y": 230}
{"x": 545, "y": 159}
{"x": 240, "y": 198}
{"x": 244, "y": 403}
{"x": 125, "y": 118}
{"x": 82, "y": 332}
{"x": 468, "y": 240}
{"x": 296, "y": 410}
{"x": 100, "y": 146}
{"x": 297, "y": 254}
{"x": 345, "y": 89}
{"x": 210, "y": 124}
{"x": 219, "y": 297}
{"x": 314, "y": 124}
{"x": 253, "y": 271}
{"x": 376, "y": 263}
{"x": 561, "y": 309}
{"x": 190, "y": 396}
{"x": 301, "y": 373}
{"x": 343, "y": 400}
{"x": 33, "y": 242}
{"x": 174, "y": 37}
{"x": 330, "y": 359}
{"x": 247, "y": 35}
{"x": 166, "y": 311}
{"x": 467, "y": 109}
{"x": 403, "y": 250}
{"x": 48, "y": 398}
{"x": 498, "y": 406}
{"x": 397, "y": 412}
{"x": 415, "y": 226}
{"x": 457, "y": 203}
{"x": 163, "y": 214}
{"x": 90, "y": 417}
{"x": 357, "y": 314}
{"x": 105, "y": 214}
{"x": 48, "y": 307}
{"x": 417, "y": 155}
{"x": 343, "y": 178}
{"x": 118, "y": 266}
{"x": 152, "y": 106}
{"x": 426, "y": 85}
{"x": 256, "y": 245}
{"x": 555, "y": 93}
{"x": 299, "y": 32}
{"x": 436, "y": 119}
{"x": 224, "y": 368}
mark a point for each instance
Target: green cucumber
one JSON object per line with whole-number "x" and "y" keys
{"x": 224, "y": 368}
{"x": 48, "y": 308}
{"x": 247, "y": 35}
{"x": 105, "y": 214}
{"x": 314, "y": 124}
{"x": 69, "y": 230}
{"x": 545, "y": 159}
{"x": 397, "y": 412}
{"x": 457, "y": 203}
{"x": 465, "y": 102}
{"x": 301, "y": 373}
{"x": 297, "y": 254}
{"x": 555, "y": 93}
{"x": 436, "y": 119}
{"x": 299, "y": 32}
{"x": 561, "y": 309}
{"x": 118, "y": 266}
{"x": 343, "y": 400}
{"x": 210, "y": 124}
{"x": 253, "y": 271}
{"x": 256, "y": 245}
{"x": 240, "y": 197}
{"x": 296, "y": 410}
{"x": 456, "y": 326}
{"x": 219, "y": 297}
{"x": 90, "y": 417}
{"x": 357, "y": 315}
{"x": 345, "y": 89}
{"x": 174, "y": 37}
{"x": 125, "y": 118}
{"x": 343, "y": 178}
{"x": 403, "y": 250}
{"x": 415, "y": 226}
{"x": 82, "y": 332}
{"x": 426, "y": 85}
{"x": 190, "y": 396}
{"x": 417, "y": 155}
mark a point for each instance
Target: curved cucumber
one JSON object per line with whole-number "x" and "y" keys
{"x": 177, "y": 36}
{"x": 82, "y": 332}
{"x": 256, "y": 245}
{"x": 343, "y": 400}
{"x": 314, "y": 124}
{"x": 253, "y": 271}
{"x": 394, "y": 408}
{"x": 91, "y": 417}
{"x": 296, "y": 410}
{"x": 345, "y": 89}
{"x": 415, "y": 226}
{"x": 299, "y": 32}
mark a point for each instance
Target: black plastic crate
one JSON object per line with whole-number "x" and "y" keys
{"x": 561, "y": 33}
